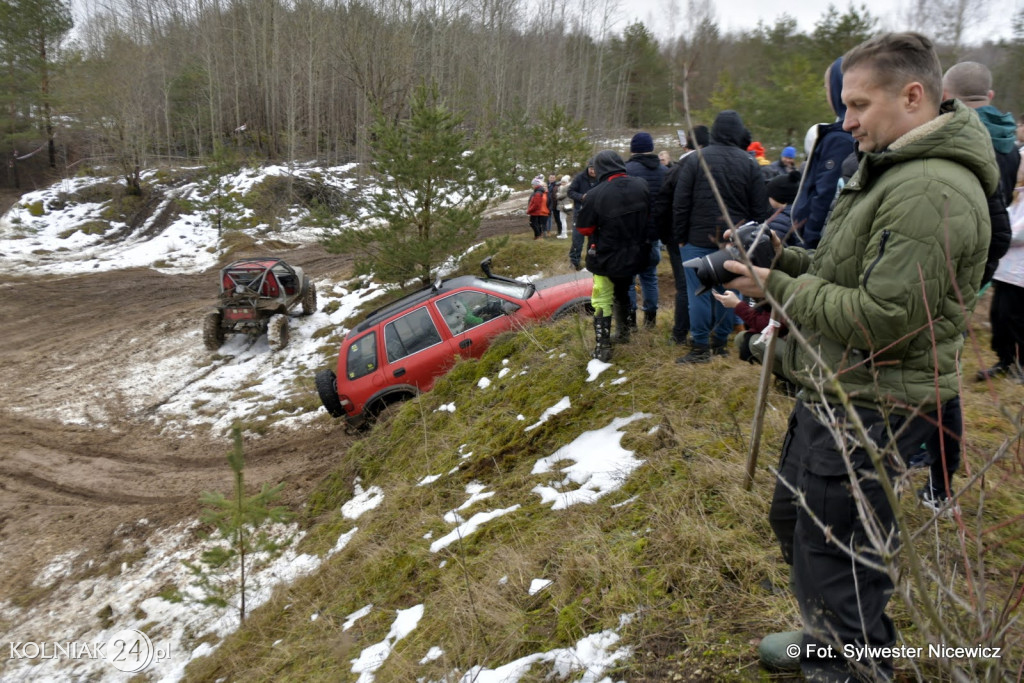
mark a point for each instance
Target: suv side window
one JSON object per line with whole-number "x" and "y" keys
{"x": 412, "y": 332}
{"x": 465, "y": 310}
{"x": 362, "y": 356}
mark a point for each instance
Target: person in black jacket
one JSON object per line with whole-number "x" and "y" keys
{"x": 644, "y": 163}
{"x": 662, "y": 210}
{"x": 699, "y": 226}
{"x": 578, "y": 189}
{"x": 614, "y": 219}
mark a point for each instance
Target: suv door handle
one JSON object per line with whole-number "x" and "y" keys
{"x": 465, "y": 343}
{"x": 399, "y": 372}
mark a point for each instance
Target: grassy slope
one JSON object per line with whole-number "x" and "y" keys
{"x": 692, "y": 556}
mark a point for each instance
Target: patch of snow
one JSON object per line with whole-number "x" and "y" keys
{"x": 563, "y": 405}
{"x": 600, "y": 465}
{"x": 373, "y": 657}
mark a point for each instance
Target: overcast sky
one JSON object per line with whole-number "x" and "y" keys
{"x": 735, "y": 15}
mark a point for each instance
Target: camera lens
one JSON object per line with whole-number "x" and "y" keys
{"x": 711, "y": 270}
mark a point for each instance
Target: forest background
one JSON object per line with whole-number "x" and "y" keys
{"x": 138, "y": 83}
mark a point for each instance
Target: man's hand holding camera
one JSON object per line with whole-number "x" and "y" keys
{"x": 750, "y": 280}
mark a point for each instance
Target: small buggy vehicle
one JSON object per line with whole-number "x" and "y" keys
{"x": 256, "y": 296}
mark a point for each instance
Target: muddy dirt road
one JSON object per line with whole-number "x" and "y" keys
{"x": 68, "y": 485}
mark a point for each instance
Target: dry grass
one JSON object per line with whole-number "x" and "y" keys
{"x": 691, "y": 557}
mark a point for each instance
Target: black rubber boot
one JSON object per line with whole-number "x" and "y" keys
{"x": 650, "y": 318}
{"x": 621, "y": 335}
{"x": 699, "y": 353}
{"x": 631, "y": 320}
{"x": 602, "y": 337}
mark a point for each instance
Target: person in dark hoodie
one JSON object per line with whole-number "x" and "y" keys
{"x": 614, "y": 219}
{"x": 577, "y": 192}
{"x": 824, "y": 164}
{"x": 662, "y": 210}
{"x": 647, "y": 165}
{"x": 699, "y": 226}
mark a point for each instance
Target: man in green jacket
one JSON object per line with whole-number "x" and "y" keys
{"x": 883, "y": 304}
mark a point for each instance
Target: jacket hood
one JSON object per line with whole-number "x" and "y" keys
{"x": 650, "y": 161}
{"x": 956, "y": 134}
{"x": 728, "y": 129}
{"x": 835, "y": 88}
{"x": 1001, "y": 127}
{"x": 608, "y": 162}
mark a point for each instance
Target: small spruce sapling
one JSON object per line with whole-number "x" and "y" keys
{"x": 224, "y": 571}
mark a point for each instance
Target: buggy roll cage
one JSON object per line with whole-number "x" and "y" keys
{"x": 236, "y": 277}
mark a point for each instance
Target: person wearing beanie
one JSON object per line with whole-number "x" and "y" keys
{"x": 756, "y": 150}
{"x": 537, "y": 209}
{"x": 645, "y": 164}
{"x": 785, "y": 163}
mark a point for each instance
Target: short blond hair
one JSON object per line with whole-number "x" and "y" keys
{"x": 898, "y": 59}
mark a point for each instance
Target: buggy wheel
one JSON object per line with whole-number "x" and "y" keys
{"x": 327, "y": 388}
{"x": 277, "y": 332}
{"x": 309, "y": 299}
{"x": 213, "y": 332}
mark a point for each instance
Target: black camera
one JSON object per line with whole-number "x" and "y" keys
{"x": 757, "y": 242}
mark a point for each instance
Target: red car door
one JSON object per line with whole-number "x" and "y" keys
{"x": 415, "y": 352}
{"x": 473, "y": 318}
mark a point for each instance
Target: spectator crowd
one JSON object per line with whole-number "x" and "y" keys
{"x": 903, "y": 209}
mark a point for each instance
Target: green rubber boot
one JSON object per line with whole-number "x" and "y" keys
{"x": 777, "y": 650}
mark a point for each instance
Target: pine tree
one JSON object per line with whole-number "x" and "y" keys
{"x": 30, "y": 33}
{"x": 223, "y": 572}
{"x": 433, "y": 182}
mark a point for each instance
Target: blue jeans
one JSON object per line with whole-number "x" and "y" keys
{"x": 648, "y": 282}
{"x": 710, "y": 321}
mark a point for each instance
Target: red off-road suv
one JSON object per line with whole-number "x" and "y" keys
{"x": 400, "y": 349}
{"x": 256, "y": 296}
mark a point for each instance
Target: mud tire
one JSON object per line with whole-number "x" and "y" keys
{"x": 327, "y": 388}
{"x": 213, "y": 332}
{"x": 277, "y": 332}
{"x": 309, "y": 299}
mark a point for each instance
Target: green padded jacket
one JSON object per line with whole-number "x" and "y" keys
{"x": 885, "y": 297}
